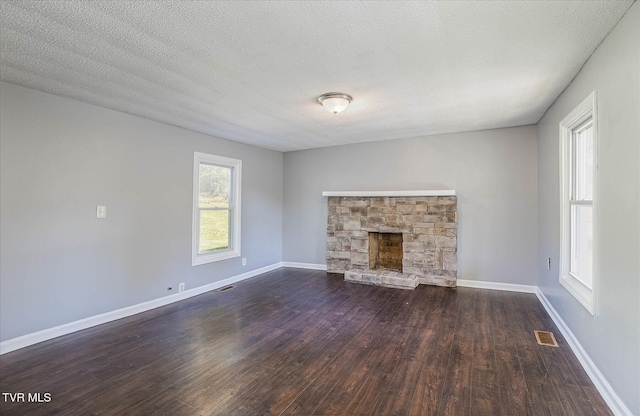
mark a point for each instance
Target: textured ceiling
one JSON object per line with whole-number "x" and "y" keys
{"x": 251, "y": 71}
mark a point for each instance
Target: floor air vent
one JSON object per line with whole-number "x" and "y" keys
{"x": 225, "y": 288}
{"x": 546, "y": 338}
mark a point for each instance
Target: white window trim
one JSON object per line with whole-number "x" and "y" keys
{"x": 586, "y": 109}
{"x": 234, "y": 249}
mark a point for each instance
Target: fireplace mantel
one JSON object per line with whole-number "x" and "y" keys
{"x": 442, "y": 192}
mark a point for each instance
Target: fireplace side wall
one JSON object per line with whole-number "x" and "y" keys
{"x": 428, "y": 226}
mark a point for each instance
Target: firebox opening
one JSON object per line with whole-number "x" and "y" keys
{"x": 385, "y": 251}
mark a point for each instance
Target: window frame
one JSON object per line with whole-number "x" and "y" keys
{"x": 234, "y": 249}
{"x": 586, "y": 110}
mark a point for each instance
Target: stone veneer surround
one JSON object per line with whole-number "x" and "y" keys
{"x": 429, "y": 227}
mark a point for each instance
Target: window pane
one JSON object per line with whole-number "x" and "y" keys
{"x": 215, "y": 186}
{"x": 582, "y": 243}
{"x": 583, "y": 171}
{"x": 214, "y": 230}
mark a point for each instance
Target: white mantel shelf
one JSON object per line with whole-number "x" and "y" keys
{"x": 443, "y": 192}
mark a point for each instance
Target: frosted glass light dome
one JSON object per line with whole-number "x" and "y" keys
{"x": 335, "y": 101}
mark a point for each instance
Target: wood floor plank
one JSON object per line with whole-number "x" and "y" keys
{"x": 348, "y": 362}
{"x": 544, "y": 399}
{"x": 300, "y": 342}
{"x": 510, "y": 377}
{"x": 456, "y": 391}
{"x": 422, "y": 343}
{"x": 484, "y": 370}
{"x": 484, "y": 402}
{"x": 428, "y": 390}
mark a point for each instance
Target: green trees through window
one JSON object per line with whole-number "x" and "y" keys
{"x": 214, "y": 203}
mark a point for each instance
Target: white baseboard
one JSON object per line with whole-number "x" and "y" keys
{"x": 310, "y": 266}
{"x": 49, "y": 333}
{"x": 614, "y": 402}
{"x": 509, "y": 287}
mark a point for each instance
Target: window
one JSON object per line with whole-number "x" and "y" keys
{"x": 578, "y": 133}
{"x": 216, "y": 208}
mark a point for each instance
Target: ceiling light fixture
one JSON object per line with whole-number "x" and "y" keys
{"x": 334, "y": 101}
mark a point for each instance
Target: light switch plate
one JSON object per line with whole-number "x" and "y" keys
{"x": 101, "y": 211}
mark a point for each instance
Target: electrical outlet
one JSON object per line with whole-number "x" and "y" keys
{"x": 548, "y": 263}
{"x": 181, "y": 287}
{"x": 244, "y": 261}
{"x": 101, "y": 212}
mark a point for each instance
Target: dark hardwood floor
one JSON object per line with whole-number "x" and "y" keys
{"x": 299, "y": 342}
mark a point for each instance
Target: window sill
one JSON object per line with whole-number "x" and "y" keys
{"x": 214, "y": 257}
{"x": 583, "y": 294}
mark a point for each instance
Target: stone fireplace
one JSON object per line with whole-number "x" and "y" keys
{"x": 396, "y": 241}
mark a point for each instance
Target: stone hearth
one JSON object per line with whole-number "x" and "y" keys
{"x": 425, "y": 226}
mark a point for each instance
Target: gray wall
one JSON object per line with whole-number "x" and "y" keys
{"x": 59, "y": 159}
{"x": 612, "y": 338}
{"x": 492, "y": 171}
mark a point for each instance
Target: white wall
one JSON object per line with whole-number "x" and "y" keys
{"x": 612, "y": 338}
{"x": 492, "y": 171}
{"x": 59, "y": 159}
